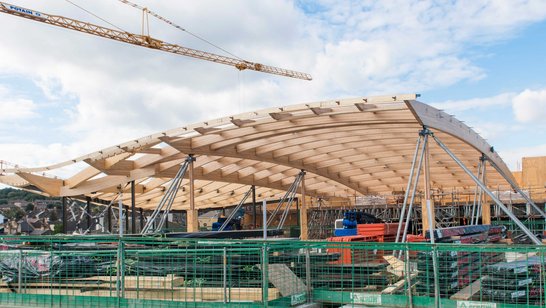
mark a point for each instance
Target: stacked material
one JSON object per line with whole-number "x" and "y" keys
{"x": 457, "y": 269}
{"x": 447, "y": 273}
{"x": 385, "y": 232}
{"x": 360, "y": 267}
{"x": 515, "y": 282}
{"x": 471, "y": 265}
{"x": 350, "y": 255}
{"x": 469, "y": 234}
{"x": 344, "y": 232}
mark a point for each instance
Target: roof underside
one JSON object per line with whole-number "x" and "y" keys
{"x": 360, "y": 146}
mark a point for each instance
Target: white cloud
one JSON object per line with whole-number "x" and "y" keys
{"x": 530, "y": 106}
{"x": 15, "y": 108}
{"x": 500, "y": 100}
{"x": 351, "y": 48}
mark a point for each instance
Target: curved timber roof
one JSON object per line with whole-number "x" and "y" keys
{"x": 348, "y": 147}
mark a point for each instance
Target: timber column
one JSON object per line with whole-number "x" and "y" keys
{"x": 304, "y": 232}
{"x": 133, "y": 210}
{"x": 427, "y": 206}
{"x": 193, "y": 224}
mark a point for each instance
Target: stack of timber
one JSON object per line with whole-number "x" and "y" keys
{"x": 517, "y": 282}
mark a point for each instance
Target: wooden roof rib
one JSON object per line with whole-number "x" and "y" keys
{"x": 347, "y": 147}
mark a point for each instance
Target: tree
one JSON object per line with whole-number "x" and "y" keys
{"x": 29, "y": 208}
{"x": 53, "y": 216}
{"x": 14, "y": 213}
{"x": 58, "y": 228}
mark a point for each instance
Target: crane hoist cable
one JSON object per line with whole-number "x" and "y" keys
{"x": 94, "y": 15}
{"x": 144, "y": 41}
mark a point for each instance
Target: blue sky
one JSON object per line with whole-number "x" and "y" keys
{"x": 66, "y": 94}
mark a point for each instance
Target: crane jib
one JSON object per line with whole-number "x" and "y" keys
{"x": 145, "y": 41}
{"x": 22, "y": 10}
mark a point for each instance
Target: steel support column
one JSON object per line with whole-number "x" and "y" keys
{"x": 109, "y": 218}
{"x": 88, "y": 213}
{"x": 127, "y": 219}
{"x": 141, "y": 218}
{"x": 254, "y": 206}
{"x": 120, "y": 213}
{"x": 63, "y": 214}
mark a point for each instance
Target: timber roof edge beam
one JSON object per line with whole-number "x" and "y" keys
{"x": 436, "y": 119}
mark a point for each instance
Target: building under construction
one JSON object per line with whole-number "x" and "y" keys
{"x": 371, "y": 201}
{"x": 450, "y": 224}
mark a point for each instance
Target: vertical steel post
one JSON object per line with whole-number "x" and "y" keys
{"x": 133, "y": 210}
{"x": 224, "y": 276}
{"x": 408, "y": 276}
{"x": 264, "y": 218}
{"x": 20, "y": 272}
{"x": 120, "y": 218}
{"x": 254, "y": 206}
{"x": 88, "y": 212}
{"x": 109, "y": 218}
{"x": 141, "y": 214}
{"x": 127, "y": 231}
{"x": 63, "y": 214}
{"x": 265, "y": 273}
{"x": 308, "y": 273}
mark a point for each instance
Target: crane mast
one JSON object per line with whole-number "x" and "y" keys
{"x": 145, "y": 41}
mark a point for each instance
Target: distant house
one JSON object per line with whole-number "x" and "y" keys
{"x": 31, "y": 226}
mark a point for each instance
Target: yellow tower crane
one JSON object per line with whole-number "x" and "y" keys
{"x": 144, "y": 41}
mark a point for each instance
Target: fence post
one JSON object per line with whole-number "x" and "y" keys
{"x": 120, "y": 272}
{"x": 308, "y": 273}
{"x": 224, "y": 278}
{"x": 408, "y": 276}
{"x": 265, "y": 277}
{"x": 20, "y": 271}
